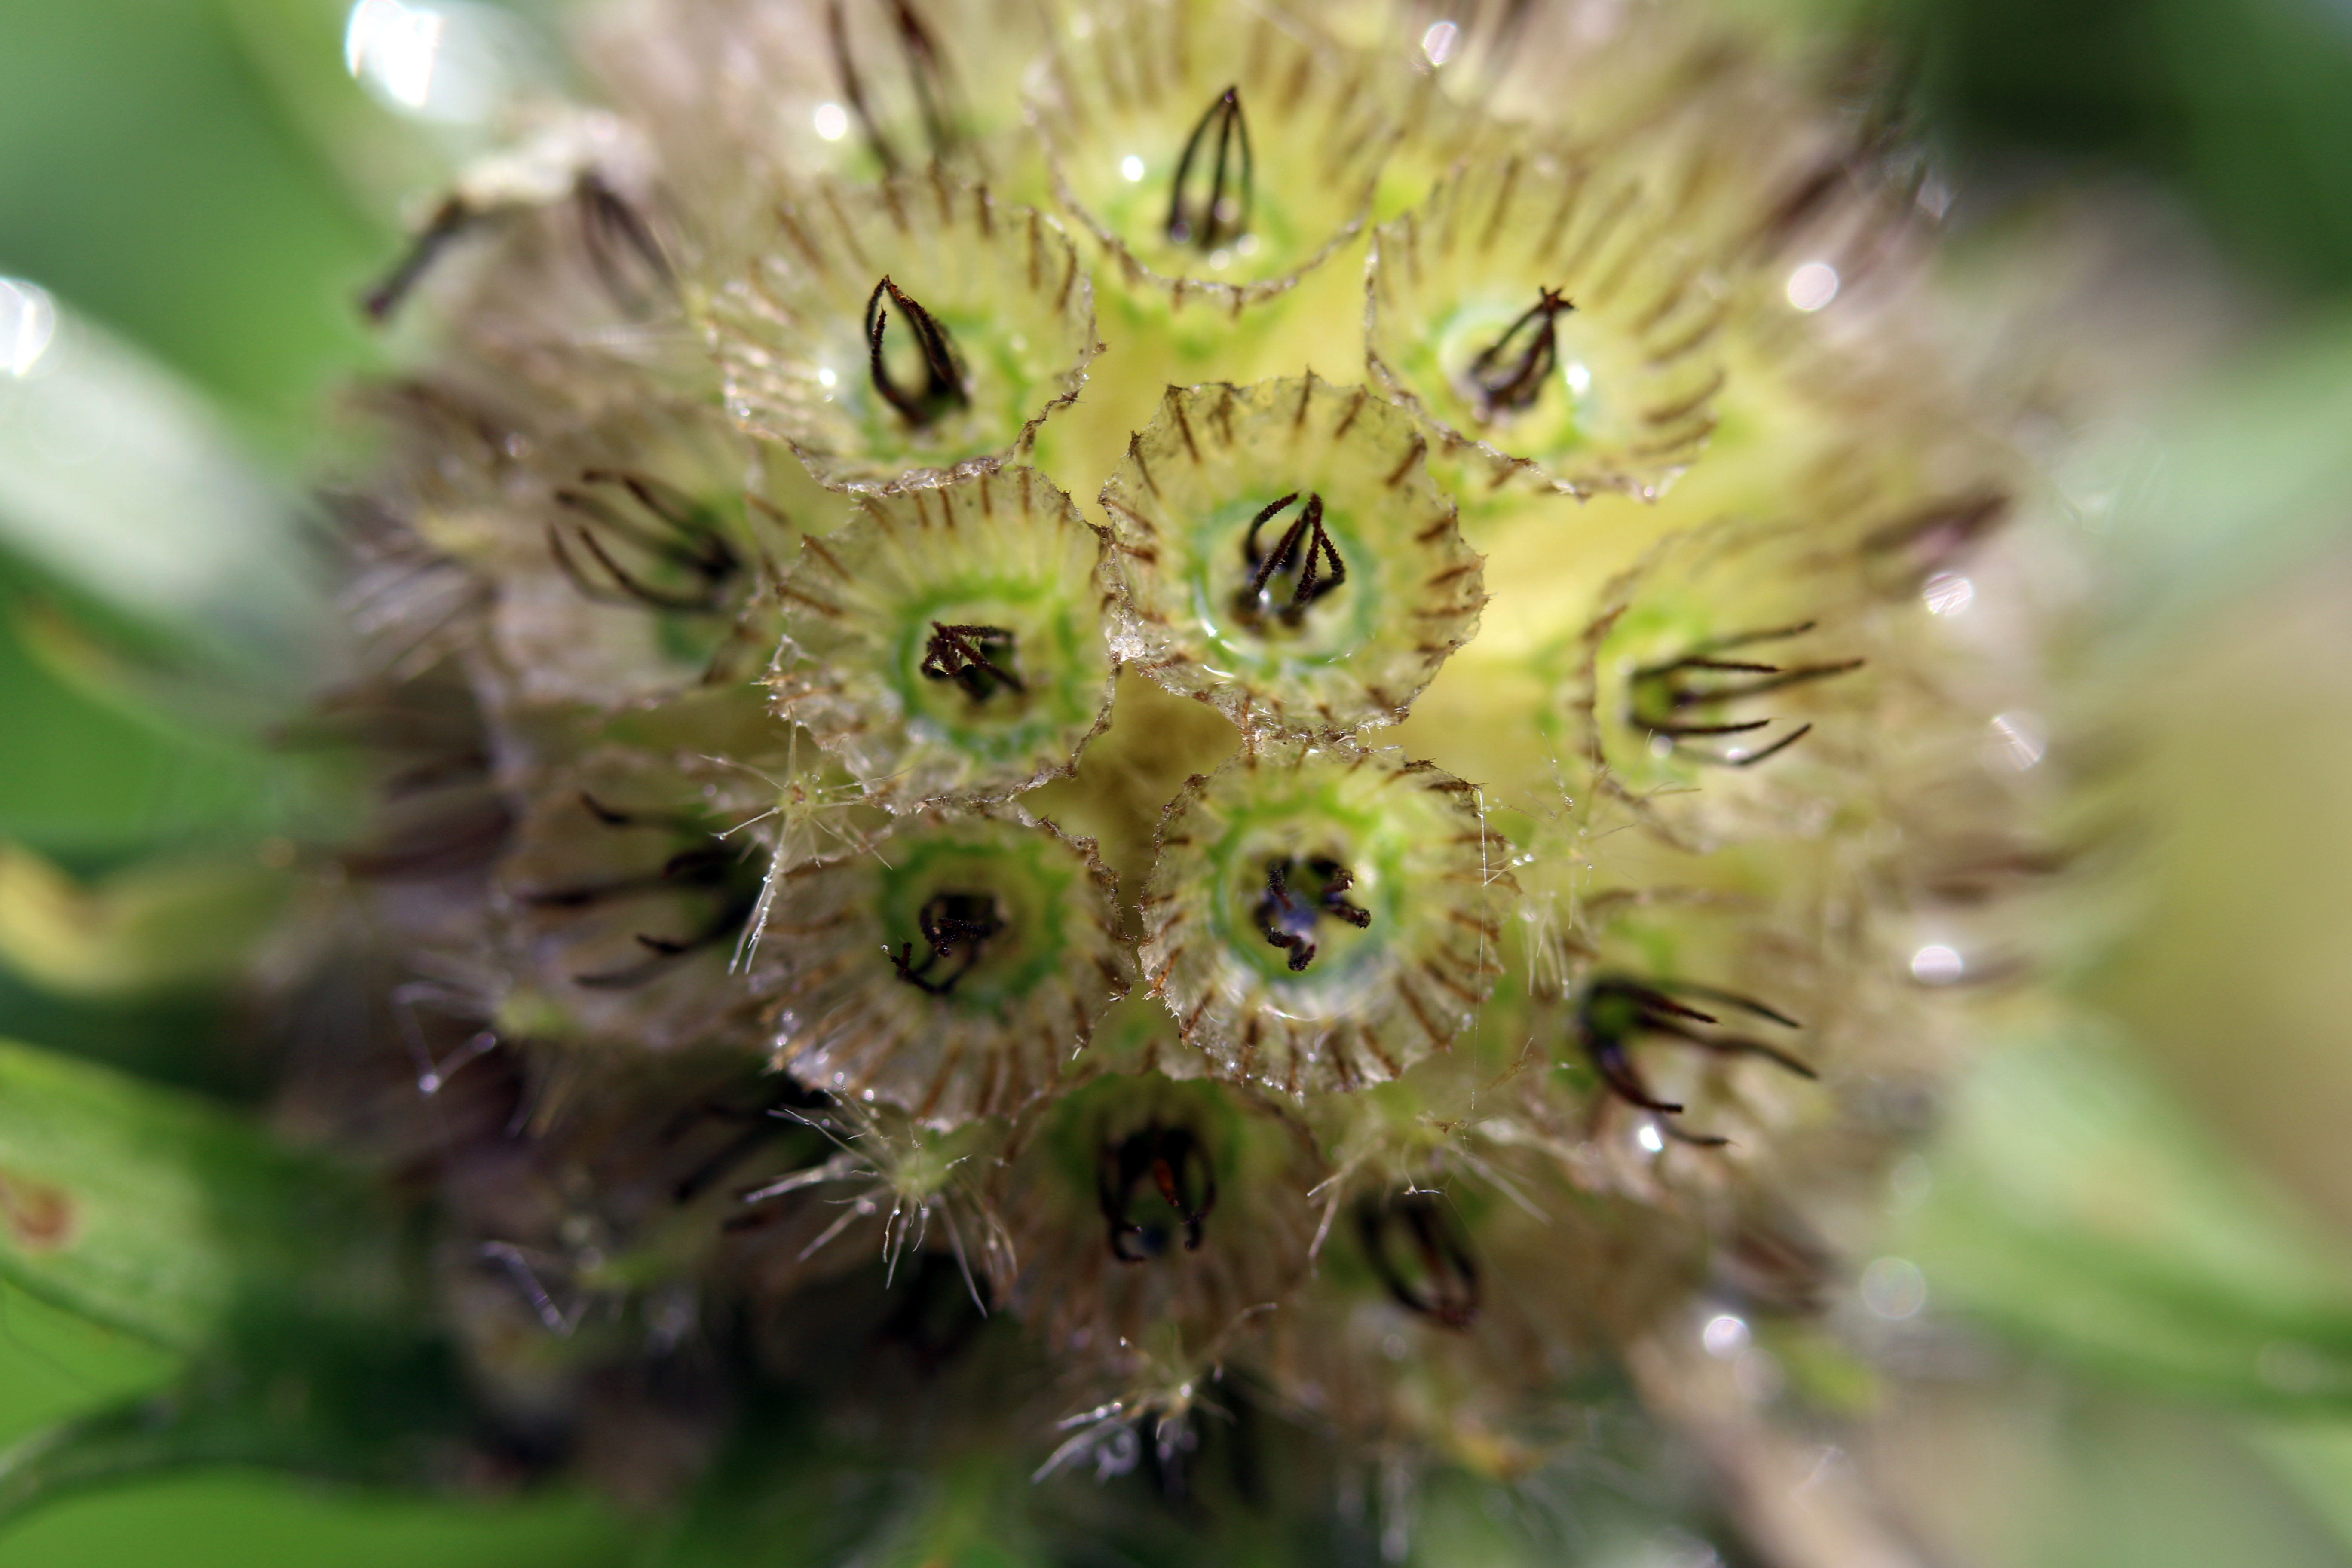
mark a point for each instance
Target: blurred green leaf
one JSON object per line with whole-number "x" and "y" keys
{"x": 154, "y": 1212}
{"x": 2078, "y": 1211}
{"x": 2256, "y": 476}
{"x": 145, "y": 179}
{"x": 287, "y": 1281}
{"x": 288, "y": 1423}
{"x": 152, "y": 928}
{"x": 2238, "y": 105}
{"x": 121, "y": 480}
{"x": 491, "y": 57}
{"x": 2316, "y": 1459}
{"x": 233, "y": 1520}
{"x": 87, "y": 778}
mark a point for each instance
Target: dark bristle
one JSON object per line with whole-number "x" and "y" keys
{"x": 1224, "y": 216}
{"x": 448, "y": 220}
{"x": 1700, "y": 678}
{"x": 659, "y": 523}
{"x": 1438, "y": 1278}
{"x": 619, "y": 242}
{"x": 1306, "y": 548}
{"x": 943, "y": 376}
{"x": 1510, "y": 374}
{"x": 1177, "y": 1168}
{"x": 1286, "y": 914}
{"x": 1617, "y": 1010}
{"x": 927, "y": 79}
{"x": 977, "y": 658}
{"x": 953, "y": 923}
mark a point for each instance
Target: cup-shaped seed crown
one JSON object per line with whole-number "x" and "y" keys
{"x": 1148, "y": 1203}
{"x": 1724, "y": 691}
{"x": 1289, "y": 559}
{"x": 1323, "y": 917}
{"x": 1214, "y": 149}
{"x": 894, "y": 332}
{"x": 950, "y": 642}
{"x": 1536, "y": 319}
{"x": 628, "y": 542}
{"x": 950, "y": 972}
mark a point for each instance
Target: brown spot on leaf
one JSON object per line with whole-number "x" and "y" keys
{"x": 39, "y": 1217}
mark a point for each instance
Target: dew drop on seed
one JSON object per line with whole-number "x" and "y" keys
{"x": 2019, "y": 738}
{"x": 1936, "y": 965}
{"x": 1948, "y": 593}
{"x": 1725, "y": 1336}
{"x": 1813, "y": 286}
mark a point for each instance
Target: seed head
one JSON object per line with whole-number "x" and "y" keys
{"x": 950, "y": 956}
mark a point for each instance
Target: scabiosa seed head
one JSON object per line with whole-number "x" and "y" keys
{"x": 732, "y": 657}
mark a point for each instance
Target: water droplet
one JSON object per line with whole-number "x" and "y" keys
{"x": 1948, "y": 593}
{"x": 1725, "y": 1336}
{"x": 29, "y": 323}
{"x": 449, "y": 63}
{"x": 1936, "y": 965}
{"x": 1813, "y": 286}
{"x": 2019, "y": 738}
